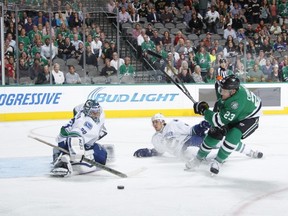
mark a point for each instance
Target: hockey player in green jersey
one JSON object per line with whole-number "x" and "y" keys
{"x": 237, "y": 117}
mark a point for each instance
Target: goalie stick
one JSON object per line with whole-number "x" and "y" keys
{"x": 182, "y": 87}
{"x": 94, "y": 163}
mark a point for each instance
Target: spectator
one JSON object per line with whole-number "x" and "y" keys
{"x": 66, "y": 50}
{"x": 284, "y": 70}
{"x": 267, "y": 69}
{"x": 123, "y": 16}
{"x": 23, "y": 68}
{"x": 25, "y": 39}
{"x": 58, "y": 75}
{"x": 147, "y": 45}
{"x": 78, "y": 53}
{"x": 170, "y": 70}
{"x": 74, "y": 20}
{"x": 187, "y": 15}
{"x": 10, "y": 69}
{"x": 180, "y": 47}
{"x": 127, "y": 69}
{"x": 197, "y": 77}
{"x": 275, "y": 75}
{"x": 254, "y": 7}
{"x": 40, "y": 19}
{"x": 149, "y": 30}
{"x": 265, "y": 11}
{"x": 196, "y": 24}
{"x": 261, "y": 59}
{"x": 178, "y": 36}
{"x": 29, "y": 25}
{"x": 136, "y": 31}
{"x": 134, "y": 16}
{"x": 35, "y": 69}
{"x": 237, "y": 23}
{"x": 279, "y": 45}
{"x": 156, "y": 38}
{"x": 229, "y": 31}
{"x": 249, "y": 31}
{"x": 75, "y": 41}
{"x": 11, "y": 29}
{"x": 212, "y": 18}
{"x": 275, "y": 28}
{"x": 255, "y": 75}
{"x": 210, "y": 76}
{"x": 267, "y": 47}
{"x": 142, "y": 11}
{"x": 116, "y": 62}
{"x": 167, "y": 40}
{"x": 108, "y": 70}
{"x": 43, "y": 76}
{"x": 202, "y": 58}
{"x": 217, "y": 47}
{"x": 91, "y": 59}
{"x": 72, "y": 77}
{"x": 258, "y": 43}
{"x": 45, "y": 50}
{"x": 273, "y": 10}
{"x": 153, "y": 16}
{"x": 166, "y": 16}
{"x": 185, "y": 73}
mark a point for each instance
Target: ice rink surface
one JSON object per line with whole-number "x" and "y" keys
{"x": 244, "y": 186}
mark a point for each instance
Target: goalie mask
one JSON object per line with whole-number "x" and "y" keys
{"x": 92, "y": 109}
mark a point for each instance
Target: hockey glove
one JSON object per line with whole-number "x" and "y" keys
{"x": 200, "y": 107}
{"x": 145, "y": 152}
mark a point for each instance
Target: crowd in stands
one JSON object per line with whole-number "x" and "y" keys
{"x": 184, "y": 38}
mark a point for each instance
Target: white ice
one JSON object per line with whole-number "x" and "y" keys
{"x": 244, "y": 186}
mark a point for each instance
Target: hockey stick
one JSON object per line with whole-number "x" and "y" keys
{"x": 94, "y": 163}
{"x": 182, "y": 87}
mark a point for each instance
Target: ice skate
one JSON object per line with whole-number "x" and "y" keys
{"x": 193, "y": 164}
{"x": 214, "y": 167}
{"x": 255, "y": 154}
{"x": 62, "y": 167}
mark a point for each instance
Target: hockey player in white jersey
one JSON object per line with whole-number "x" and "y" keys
{"x": 174, "y": 138}
{"x": 79, "y": 137}
{"x": 180, "y": 139}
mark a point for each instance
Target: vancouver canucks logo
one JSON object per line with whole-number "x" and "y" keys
{"x": 94, "y": 93}
{"x": 234, "y": 105}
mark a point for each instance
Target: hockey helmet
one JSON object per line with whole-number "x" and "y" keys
{"x": 230, "y": 82}
{"x": 93, "y": 109}
{"x": 159, "y": 117}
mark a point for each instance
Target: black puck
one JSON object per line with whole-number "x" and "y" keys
{"x": 120, "y": 187}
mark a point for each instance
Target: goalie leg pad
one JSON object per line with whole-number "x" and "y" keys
{"x": 100, "y": 154}
{"x": 76, "y": 148}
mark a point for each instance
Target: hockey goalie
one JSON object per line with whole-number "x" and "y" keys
{"x": 79, "y": 137}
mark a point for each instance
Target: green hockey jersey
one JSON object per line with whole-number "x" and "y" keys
{"x": 242, "y": 105}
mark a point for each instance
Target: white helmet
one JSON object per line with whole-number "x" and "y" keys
{"x": 158, "y": 116}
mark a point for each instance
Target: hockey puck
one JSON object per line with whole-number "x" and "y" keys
{"x": 120, "y": 187}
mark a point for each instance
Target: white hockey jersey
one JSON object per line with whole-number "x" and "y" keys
{"x": 84, "y": 126}
{"x": 172, "y": 138}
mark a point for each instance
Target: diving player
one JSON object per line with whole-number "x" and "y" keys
{"x": 237, "y": 117}
{"x": 173, "y": 137}
{"x": 177, "y": 138}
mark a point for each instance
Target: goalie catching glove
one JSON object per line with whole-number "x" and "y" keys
{"x": 200, "y": 107}
{"x": 145, "y": 152}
